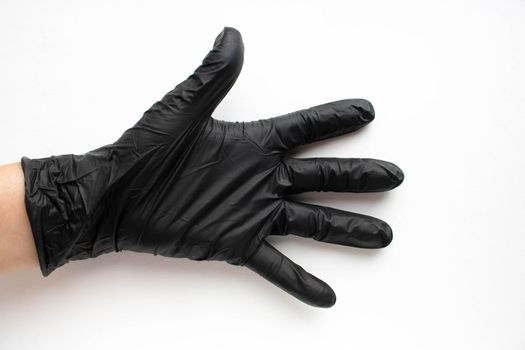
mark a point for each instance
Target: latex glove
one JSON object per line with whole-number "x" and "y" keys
{"x": 182, "y": 184}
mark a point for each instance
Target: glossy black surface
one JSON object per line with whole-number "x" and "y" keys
{"x": 182, "y": 184}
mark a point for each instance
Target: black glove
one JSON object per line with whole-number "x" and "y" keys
{"x": 182, "y": 184}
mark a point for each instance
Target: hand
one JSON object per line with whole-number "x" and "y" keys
{"x": 182, "y": 184}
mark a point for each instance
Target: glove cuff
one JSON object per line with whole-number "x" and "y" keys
{"x": 41, "y": 211}
{"x": 56, "y": 211}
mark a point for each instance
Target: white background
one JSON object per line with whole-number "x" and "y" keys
{"x": 447, "y": 79}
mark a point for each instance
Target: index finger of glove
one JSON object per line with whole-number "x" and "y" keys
{"x": 313, "y": 124}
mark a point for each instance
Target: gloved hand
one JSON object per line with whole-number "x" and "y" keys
{"x": 182, "y": 184}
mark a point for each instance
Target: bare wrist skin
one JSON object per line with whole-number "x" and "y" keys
{"x": 17, "y": 247}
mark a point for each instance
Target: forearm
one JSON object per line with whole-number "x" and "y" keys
{"x": 17, "y": 247}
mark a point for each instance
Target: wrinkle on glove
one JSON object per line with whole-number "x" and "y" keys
{"x": 182, "y": 184}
